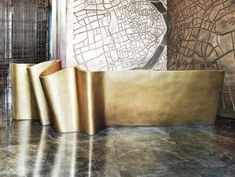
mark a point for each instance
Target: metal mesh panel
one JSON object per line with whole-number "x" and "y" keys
{"x": 24, "y": 38}
{"x": 30, "y": 31}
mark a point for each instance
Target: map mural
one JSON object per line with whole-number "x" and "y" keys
{"x": 118, "y": 35}
{"x": 203, "y": 37}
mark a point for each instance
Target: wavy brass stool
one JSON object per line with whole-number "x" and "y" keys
{"x": 34, "y": 73}
{"x": 24, "y": 105}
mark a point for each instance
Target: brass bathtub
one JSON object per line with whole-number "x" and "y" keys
{"x": 83, "y": 101}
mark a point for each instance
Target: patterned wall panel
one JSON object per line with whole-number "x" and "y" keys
{"x": 116, "y": 34}
{"x": 24, "y": 38}
{"x": 203, "y": 37}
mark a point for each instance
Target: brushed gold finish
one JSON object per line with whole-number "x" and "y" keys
{"x": 34, "y": 73}
{"x": 91, "y": 100}
{"x": 24, "y": 106}
{"x": 61, "y": 92}
{"x": 144, "y": 98}
{"x": 73, "y": 96}
{"x": 83, "y": 101}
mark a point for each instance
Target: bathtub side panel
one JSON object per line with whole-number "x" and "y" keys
{"x": 162, "y": 98}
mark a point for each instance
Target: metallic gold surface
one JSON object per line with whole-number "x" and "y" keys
{"x": 91, "y": 100}
{"x": 61, "y": 92}
{"x": 135, "y": 98}
{"x": 24, "y": 106}
{"x": 75, "y": 98}
{"x": 34, "y": 73}
{"x": 83, "y": 101}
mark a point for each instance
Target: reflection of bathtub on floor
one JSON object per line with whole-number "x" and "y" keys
{"x": 89, "y": 101}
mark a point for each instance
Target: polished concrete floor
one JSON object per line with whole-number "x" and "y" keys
{"x": 27, "y": 149}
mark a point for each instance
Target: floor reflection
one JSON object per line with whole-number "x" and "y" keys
{"x": 73, "y": 155}
{"x": 31, "y": 150}
{"x": 34, "y": 150}
{"x": 67, "y": 148}
{"x": 40, "y": 152}
{"x": 90, "y": 156}
{"x": 23, "y": 132}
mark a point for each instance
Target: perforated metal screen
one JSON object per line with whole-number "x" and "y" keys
{"x": 24, "y": 37}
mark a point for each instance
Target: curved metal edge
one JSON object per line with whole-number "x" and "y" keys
{"x": 83, "y": 101}
{"x": 75, "y": 98}
{"x": 61, "y": 93}
{"x": 23, "y": 102}
{"x": 90, "y": 87}
{"x": 34, "y": 74}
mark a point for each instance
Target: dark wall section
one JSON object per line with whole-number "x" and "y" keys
{"x": 203, "y": 37}
{"x": 24, "y": 38}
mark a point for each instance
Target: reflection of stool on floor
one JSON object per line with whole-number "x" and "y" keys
{"x": 227, "y": 101}
{"x": 2, "y": 101}
{"x": 4, "y": 89}
{"x": 82, "y": 101}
